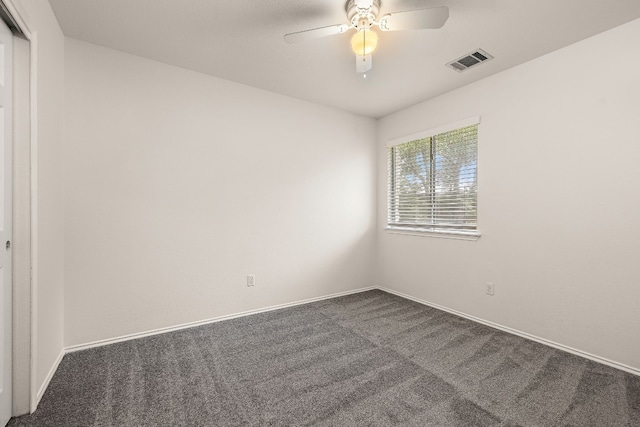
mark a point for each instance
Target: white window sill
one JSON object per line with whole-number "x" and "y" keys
{"x": 440, "y": 234}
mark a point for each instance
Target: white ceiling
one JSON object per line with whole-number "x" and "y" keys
{"x": 242, "y": 41}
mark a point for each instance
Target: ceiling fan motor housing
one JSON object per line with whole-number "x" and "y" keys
{"x": 359, "y": 15}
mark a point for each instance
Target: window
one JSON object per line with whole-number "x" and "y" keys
{"x": 433, "y": 183}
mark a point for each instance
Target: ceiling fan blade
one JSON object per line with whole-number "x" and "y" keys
{"x": 422, "y": 19}
{"x": 302, "y": 36}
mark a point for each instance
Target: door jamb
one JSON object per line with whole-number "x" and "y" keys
{"x": 18, "y": 16}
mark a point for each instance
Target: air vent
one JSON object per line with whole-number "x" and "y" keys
{"x": 472, "y": 59}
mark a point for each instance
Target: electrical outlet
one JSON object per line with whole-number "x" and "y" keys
{"x": 489, "y": 288}
{"x": 251, "y": 280}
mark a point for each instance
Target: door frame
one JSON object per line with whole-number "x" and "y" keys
{"x": 30, "y": 274}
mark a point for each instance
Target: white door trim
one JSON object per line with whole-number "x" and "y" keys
{"x": 7, "y": 60}
{"x": 20, "y": 17}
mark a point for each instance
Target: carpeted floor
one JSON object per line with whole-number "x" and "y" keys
{"x": 369, "y": 359}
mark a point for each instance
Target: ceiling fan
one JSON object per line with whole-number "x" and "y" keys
{"x": 362, "y": 15}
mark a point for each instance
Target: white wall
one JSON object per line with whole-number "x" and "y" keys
{"x": 179, "y": 184}
{"x": 47, "y": 197}
{"x": 558, "y": 200}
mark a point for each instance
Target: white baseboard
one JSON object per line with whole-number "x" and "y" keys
{"x": 47, "y": 380}
{"x": 512, "y": 331}
{"x": 137, "y": 335}
{"x": 108, "y": 341}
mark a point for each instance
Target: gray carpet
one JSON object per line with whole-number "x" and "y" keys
{"x": 369, "y": 359}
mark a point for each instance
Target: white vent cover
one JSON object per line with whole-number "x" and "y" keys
{"x": 469, "y": 60}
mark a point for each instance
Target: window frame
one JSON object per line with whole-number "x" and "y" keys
{"x": 423, "y": 231}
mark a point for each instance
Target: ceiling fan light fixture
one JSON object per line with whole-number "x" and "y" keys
{"x": 364, "y": 42}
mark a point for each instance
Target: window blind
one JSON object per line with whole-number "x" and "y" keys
{"x": 433, "y": 182}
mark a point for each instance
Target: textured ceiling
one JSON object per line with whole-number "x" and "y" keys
{"x": 242, "y": 41}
